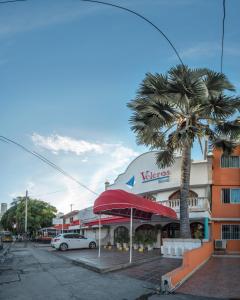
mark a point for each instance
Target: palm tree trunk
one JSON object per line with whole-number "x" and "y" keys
{"x": 184, "y": 192}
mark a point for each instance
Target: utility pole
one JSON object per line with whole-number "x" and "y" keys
{"x": 26, "y": 212}
{"x": 71, "y": 205}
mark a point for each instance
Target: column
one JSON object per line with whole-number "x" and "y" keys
{"x": 206, "y": 229}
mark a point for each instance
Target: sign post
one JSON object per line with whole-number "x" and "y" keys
{"x": 58, "y": 221}
{"x": 131, "y": 228}
{"x": 99, "y": 236}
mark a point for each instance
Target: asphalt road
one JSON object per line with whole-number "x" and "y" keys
{"x": 35, "y": 273}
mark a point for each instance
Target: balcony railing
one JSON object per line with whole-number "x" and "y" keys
{"x": 194, "y": 204}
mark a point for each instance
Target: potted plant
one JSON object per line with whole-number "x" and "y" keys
{"x": 118, "y": 241}
{"x": 125, "y": 244}
{"x": 109, "y": 246}
{"x": 135, "y": 242}
{"x": 141, "y": 242}
{"x": 150, "y": 239}
{"x": 149, "y": 243}
{"x": 125, "y": 240}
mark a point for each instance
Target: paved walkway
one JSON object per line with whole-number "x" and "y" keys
{"x": 217, "y": 278}
{"x": 110, "y": 260}
{"x": 152, "y": 272}
{"x": 149, "y": 266}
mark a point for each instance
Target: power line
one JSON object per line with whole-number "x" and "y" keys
{"x": 45, "y": 160}
{"x": 11, "y": 1}
{"x": 129, "y": 11}
{"x": 143, "y": 18}
{"x": 223, "y": 31}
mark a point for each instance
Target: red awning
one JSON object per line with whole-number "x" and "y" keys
{"x": 119, "y": 203}
{"x": 110, "y": 220}
{"x": 59, "y": 226}
{"x": 76, "y": 222}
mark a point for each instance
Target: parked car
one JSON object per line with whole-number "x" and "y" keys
{"x": 7, "y": 236}
{"x": 67, "y": 241}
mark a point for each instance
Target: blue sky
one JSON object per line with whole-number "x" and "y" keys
{"x": 67, "y": 71}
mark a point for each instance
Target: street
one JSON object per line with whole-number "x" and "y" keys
{"x": 30, "y": 272}
{"x": 33, "y": 273}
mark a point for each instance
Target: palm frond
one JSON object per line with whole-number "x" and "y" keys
{"x": 226, "y": 145}
{"x": 230, "y": 129}
{"x": 220, "y": 108}
{"x": 217, "y": 83}
{"x": 165, "y": 158}
{"x": 153, "y": 84}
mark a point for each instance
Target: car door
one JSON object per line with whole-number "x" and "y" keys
{"x": 81, "y": 241}
{"x": 69, "y": 239}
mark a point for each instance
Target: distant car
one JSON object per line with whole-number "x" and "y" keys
{"x": 67, "y": 241}
{"x": 7, "y": 237}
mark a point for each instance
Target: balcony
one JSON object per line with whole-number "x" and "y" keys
{"x": 195, "y": 204}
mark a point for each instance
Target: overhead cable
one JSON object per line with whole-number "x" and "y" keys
{"x": 223, "y": 32}
{"x": 47, "y": 161}
{"x": 129, "y": 11}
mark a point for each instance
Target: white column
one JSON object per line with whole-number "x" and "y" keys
{"x": 99, "y": 236}
{"x": 131, "y": 227}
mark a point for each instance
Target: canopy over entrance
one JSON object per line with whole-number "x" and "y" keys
{"x": 124, "y": 204}
{"x": 120, "y": 203}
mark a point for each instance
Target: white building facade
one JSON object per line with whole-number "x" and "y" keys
{"x": 144, "y": 178}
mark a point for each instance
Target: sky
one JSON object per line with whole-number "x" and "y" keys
{"x": 67, "y": 71}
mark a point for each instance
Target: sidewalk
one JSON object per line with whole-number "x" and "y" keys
{"x": 110, "y": 260}
{"x": 219, "y": 278}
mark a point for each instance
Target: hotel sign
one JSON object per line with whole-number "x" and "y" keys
{"x": 160, "y": 176}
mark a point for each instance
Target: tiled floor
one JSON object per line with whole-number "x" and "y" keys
{"x": 152, "y": 271}
{"x": 219, "y": 278}
{"x": 108, "y": 257}
{"x": 150, "y": 265}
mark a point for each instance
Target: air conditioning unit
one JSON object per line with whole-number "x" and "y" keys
{"x": 220, "y": 244}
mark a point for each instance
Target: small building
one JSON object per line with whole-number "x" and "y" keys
{"x": 225, "y": 214}
{"x": 144, "y": 178}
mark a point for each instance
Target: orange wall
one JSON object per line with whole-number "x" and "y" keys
{"x": 223, "y": 210}
{"x": 224, "y": 178}
{"x": 192, "y": 259}
{"x": 232, "y": 245}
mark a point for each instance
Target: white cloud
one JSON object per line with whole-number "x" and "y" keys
{"x": 21, "y": 19}
{"x": 208, "y": 49}
{"x": 57, "y": 143}
{"x": 103, "y": 161}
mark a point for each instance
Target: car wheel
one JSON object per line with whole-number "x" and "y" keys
{"x": 63, "y": 247}
{"x": 92, "y": 245}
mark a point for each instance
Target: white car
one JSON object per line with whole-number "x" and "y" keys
{"x": 67, "y": 241}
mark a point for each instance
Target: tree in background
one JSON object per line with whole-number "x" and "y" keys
{"x": 40, "y": 215}
{"x": 173, "y": 111}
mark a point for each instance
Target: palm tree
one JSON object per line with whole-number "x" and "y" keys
{"x": 172, "y": 111}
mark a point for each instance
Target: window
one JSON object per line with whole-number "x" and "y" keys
{"x": 230, "y": 161}
{"x": 69, "y": 236}
{"x": 231, "y": 195}
{"x": 231, "y": 232}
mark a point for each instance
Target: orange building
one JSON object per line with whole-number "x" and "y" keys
{"x": 226, "y": 199}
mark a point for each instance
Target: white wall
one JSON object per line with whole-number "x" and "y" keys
{"x": 200, "y": 175}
